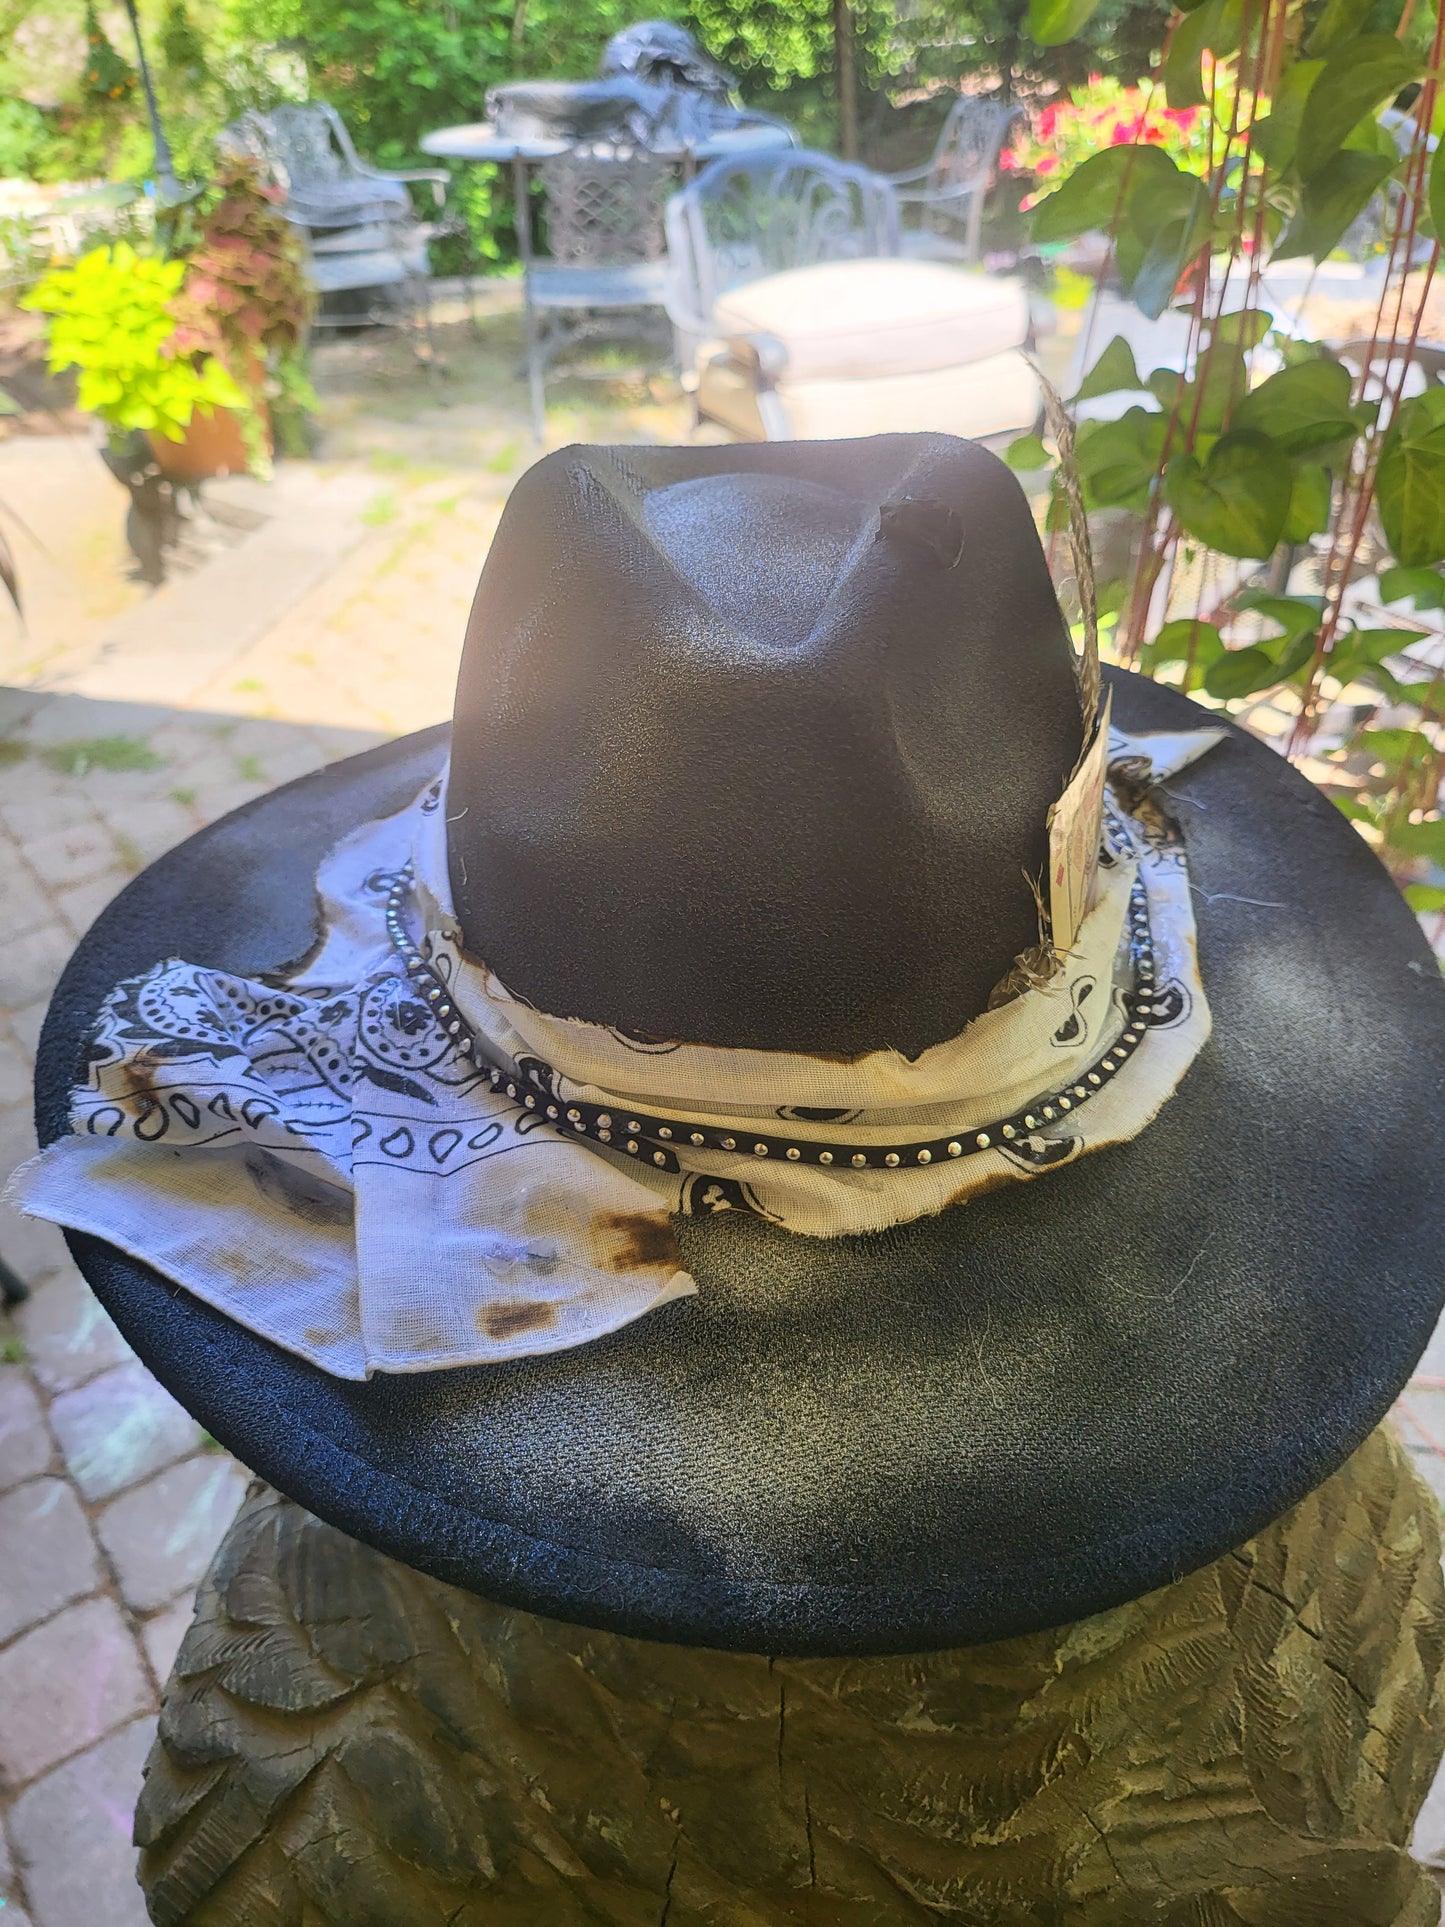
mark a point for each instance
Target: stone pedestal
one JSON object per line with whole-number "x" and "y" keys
{"x": 344, "y": 1741}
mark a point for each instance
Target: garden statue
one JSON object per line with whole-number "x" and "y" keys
{"x": 826, "y": 1203}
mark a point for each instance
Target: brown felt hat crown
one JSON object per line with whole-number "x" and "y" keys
{"x": 755, "y": 746}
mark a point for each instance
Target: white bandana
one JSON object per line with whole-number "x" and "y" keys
{"x": 321, "y": 1162}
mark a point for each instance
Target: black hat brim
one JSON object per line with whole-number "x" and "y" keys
{"x": 1006, "y": 1417}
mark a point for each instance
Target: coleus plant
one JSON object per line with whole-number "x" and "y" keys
{"x": 1261, "y": 448}
{"x": 246, "y": 298}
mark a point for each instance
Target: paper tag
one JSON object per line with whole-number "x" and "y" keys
{"x": 1076, "y": 823}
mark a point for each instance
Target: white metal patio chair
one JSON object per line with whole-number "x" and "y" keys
{"x": 950, "y": 187}
{"x": 797, "y": 318}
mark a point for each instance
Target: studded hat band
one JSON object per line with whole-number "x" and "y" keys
{"x": 640, "y": 1134}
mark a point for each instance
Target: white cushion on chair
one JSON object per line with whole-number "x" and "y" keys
{"x": 978, "y": 399}
{"x": 877, "y": 317}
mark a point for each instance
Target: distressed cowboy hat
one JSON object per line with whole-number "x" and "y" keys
{"x": 808, "y": 1123}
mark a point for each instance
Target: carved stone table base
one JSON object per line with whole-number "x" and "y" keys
{"x": 344, "y": 1741}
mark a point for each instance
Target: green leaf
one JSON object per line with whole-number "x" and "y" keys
{"x": 1295, "y": 616}
{"x": 1026, "y": 454}
{"x": 1099, "y": 188}
{"x": 1165, "y": 232}
{"x": 1114, "y": 370}
{"x": 1309, "y": 504}
{"x": 1410, "y": 485}
{"x": 1053, "y": 22}
{"x": 1244, "y": 329}
{"x": 1399, "y": 750}
{"x": 1358, "y": 77}
{"x": 1329, "y": 201}
{"x": 1118, "y": 460}
{"x": 1214, "y": 28}
{"x": 1277, "y": 136}
{"x": 1357, "y": 812}
{"x": 1341, "y": 20}
{"x": 1425, "y": 839}
{"x": 1425, "y": 898}
{"x": 1176, "y": 641}
{"x": 1426, "y": 587}
{"x": 1301, "y": 409}
{"x": 1240, "y": 672}
{"x": 1237, "y": 501}
{"x": 1437, "y": 190}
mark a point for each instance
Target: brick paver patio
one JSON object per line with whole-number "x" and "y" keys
{"x": 121, "y": 732}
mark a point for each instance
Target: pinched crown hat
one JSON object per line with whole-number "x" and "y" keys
{"x": 811, "y": 1123}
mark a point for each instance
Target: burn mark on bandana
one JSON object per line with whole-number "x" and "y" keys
{"x": 513, "y": 1316}
{"x": 645, "y": 1238}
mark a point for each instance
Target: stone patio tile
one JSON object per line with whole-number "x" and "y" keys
{"x": 150, "y": 827}
{"x": 25, "y": 1025}
{"x": 67, "y": 1336}
{"x": 161, "y": 1535}
{"x": 72, "y": 1836}
{"x": 30, "y": 965}
{"x": 162, "y": 1636}
{"x": 83, "y": 902}
{"x": 64, "y": 1684}
{"x": 7, "y": 1867}
{"x": 119, "y": 1428}
{"x": 25, "y": 1447}
{"x": 217, "y": 797}
{"x": 32, "y": 1248}
{"x": 27, "y": 906}
{"x": 47, "y": 1555}
{"x": 35, "y": 807}
{"x": 74, "y": 855}
{"x": 15, "y": 1072}
{"x": 76, "y": 719}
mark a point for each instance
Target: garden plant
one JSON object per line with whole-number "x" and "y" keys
{"x": 1262, "y": 483}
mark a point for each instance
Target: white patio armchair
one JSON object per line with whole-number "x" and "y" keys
{"x": 797, "y": 318}
{"x": 950, "y": 188}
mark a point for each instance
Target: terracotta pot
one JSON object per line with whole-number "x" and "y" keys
{"x": 213, "y": 445}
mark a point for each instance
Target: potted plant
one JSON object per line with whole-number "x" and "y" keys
{"x": 246, "y": 302}
{"x": 193, "y": 352}
{"x": 109, "y": 317}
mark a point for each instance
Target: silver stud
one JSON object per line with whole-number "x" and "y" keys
{"x": 606, "y": 1136}
{"x": 1066, "y": 1103}
{"x": 859, "y": 1161}
{"x": 925, "y": 1157}
{"x": 664, "y": 1130}
{"x": 1009, "y": 1131}
{"x": 793, "y": 1152}
{"x": 633, "y": 1125}
{"x": 825, "y": 1157}
{"x": 1048, "y": 1113}
{"x": 955, "y": 1149}
{"x": 632, "y": 1145}
{"x": 551, "y": 1110}
{"x": 573, "y": 1116}
{"x": 760, "y": 1150}
{"x": 1094, "y": 1078}
{"x": 512, "y": 1092}
{"x": 728, "y": 1143}
{"x": 1079, "y": 1091}
{"x": 1031, "y": 1122}
{"x": 696, "y": 1137}
{"x": 434, "y": 991}
{"x": 983, "y": 1140}
{"x": 604, "y": 1117}
{"x": 531, "y": 1103}
{"x": 659, "y": 1157}
{"x": 891, "y": 1159}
